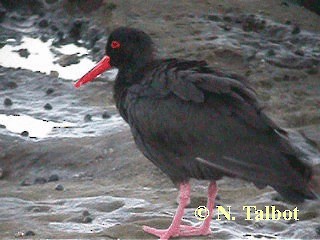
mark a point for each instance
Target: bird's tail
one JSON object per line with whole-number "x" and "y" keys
{"x": 314, "y": 183}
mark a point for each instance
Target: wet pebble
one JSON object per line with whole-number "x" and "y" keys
{"x": 59, "y": 187}
{"x": 40, "y": 180}
{"x": 48, "y": 106}
{"x": 53, "y": 178}
{"x": 49, "y": 91}
{"x": 25, "y": 134}
{"x": 106, "y": 115}
{"x": 7, "y": 102}
{"x": 88, "y": 118}
{"x": 23, "y": 52}
{"x": 68, "y": 59}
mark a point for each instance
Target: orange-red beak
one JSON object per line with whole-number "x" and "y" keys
{"x": 101, "y": 66}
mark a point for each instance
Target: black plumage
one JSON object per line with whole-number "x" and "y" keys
{"x": 193, "y": 121}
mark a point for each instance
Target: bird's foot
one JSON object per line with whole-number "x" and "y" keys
{"x": 183, "y": 230}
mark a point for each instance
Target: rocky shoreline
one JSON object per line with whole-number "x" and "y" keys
{"x": 96, "y": 184}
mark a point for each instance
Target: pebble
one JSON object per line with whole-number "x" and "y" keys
{"x": 2, "y": 126}
{"x": 53, "y": 178}
{"x": 29, "y": 233}
{"x": 48, "y": 106}
{"x": 7, "y": 102}
{"x": 88, "y": 118}
{"x": 59, "y": 187}
{"x": 49, "y": 91}
{"x": 25, "y": 134}
{"x": 68, "y": 59}
{"x": 40, "y": 180}
{"x": 106, "y": 115}
{"x": 1, "y": 173}
{"x": 54, "y": 74}
{"x": 23, "y": 52}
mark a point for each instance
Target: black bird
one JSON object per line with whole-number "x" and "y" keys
{"x": 192, "y": 121}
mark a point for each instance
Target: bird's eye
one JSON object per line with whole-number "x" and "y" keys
{"x": 115, "y": 44}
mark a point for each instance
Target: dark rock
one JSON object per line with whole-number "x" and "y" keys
{"x": 7, "y": 102}
{"x": 49, "y": 91}
{"x": 284, "y": 3}
{"x": 288, "y": 22}
{"x": 296, "y": 30}
{"x": 24, "y": 52}
{"x": 25, "y": 182}
{"x": 87, "y": 219}
{"x": 271, "y": 53}
{"x": 29, "y": 233}
{"x": 48, "y": 106}
{"x": 85, "y": 213}
{"x": 106, "y": 115}
{"x": 53, "y": 178}
{"x": 318, "y": 230}
{"x": 2, "y": 126}
{"x": 214, "y": 18}
{"x": 75, "y": 31}
{"x": 25, "y": 134}
{"x": 1, "y": 173}
{"x": 40, "y": 180}
{"x": 59, "y": 187}
{"x": 43, "y": 23}
{"x": 299, "y": 52}
{"x": 88, "y": 118}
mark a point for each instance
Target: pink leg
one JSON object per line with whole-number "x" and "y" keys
{"x": 174, "y": 229}
{"x": 204, "y": 229}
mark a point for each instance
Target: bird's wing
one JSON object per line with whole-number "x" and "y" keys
{"x": 188, "y": 111}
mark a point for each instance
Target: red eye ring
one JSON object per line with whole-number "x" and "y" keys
{"x": 115, "y": 44}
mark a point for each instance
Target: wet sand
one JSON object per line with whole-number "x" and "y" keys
{"x": 109, "y": 190}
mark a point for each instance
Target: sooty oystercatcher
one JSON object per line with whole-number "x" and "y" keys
{"x": 192, "y": 121}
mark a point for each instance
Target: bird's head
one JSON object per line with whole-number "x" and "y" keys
{"x": 126, "y": 48}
